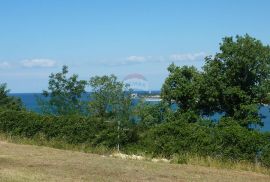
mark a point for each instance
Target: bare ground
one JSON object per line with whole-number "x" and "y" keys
{"x": 34, "y": 163}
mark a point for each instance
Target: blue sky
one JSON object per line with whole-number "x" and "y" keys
{"x": 117, "y": 37}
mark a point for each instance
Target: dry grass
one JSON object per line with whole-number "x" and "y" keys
{"x": 35, "y": 163}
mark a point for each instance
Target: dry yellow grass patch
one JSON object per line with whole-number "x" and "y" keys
{"x": 34, "y": 163}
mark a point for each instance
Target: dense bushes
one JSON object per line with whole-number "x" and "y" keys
{"x": 177, "y": 137}
{"x": 225, "y": 140}
{"x": 265, "y": 152}
{"x": 71, "y": 129}
{"x": 234, "y": 142}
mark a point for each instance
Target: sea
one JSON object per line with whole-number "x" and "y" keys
{"x": 30, "y": 102}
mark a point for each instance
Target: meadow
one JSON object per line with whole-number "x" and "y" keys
{"x": 36, "y": 163}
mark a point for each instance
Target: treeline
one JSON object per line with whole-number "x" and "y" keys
{"x": 235, "y": 83}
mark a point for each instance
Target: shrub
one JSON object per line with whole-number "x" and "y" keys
{"x": 235, "y": 142}
{"x": 177, "y": 137}
{"x": 226, "y": 140}
{"x": 265, "y": 152}
{"x": 71, "y": 129}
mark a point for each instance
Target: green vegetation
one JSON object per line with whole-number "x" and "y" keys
{"x": 8, "y": 102}
{"x": 235, "y": 82}
{"x": 63, "y": 95}
{"x": 109, "y": 97}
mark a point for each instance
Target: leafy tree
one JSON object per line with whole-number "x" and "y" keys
{"x": 109, "y": 97}
{"x": 64, "y": 95}
{"x": 236, "y": 81}
{"x": 182, "y": 87}
{"x": 8, "y": 102}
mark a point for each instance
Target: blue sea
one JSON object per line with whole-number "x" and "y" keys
{"x": 29, "y": 100}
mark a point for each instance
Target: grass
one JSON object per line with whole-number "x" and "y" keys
{"x": 39, "y": 140}
{"x": 221, "y": 164}
{"x": 37, "y": 163}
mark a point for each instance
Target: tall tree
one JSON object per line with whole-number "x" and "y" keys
{"x": 239, "y": 79}
{"x": 64, "y": 94}
{"x": 109, "y": 97}
{"x": 235, "y": 82}
{"x": 182, "y": 87}
{"x": 8, "y": 102}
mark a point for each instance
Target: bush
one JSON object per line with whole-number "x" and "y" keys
{"x": 71, "y": 129}
{"x": 235, "y": 142}
{"x": 177, "y": 137}
{"x": 265, "y": 152}
{"x": 265, "y": 157}
{"x": 226, "y": 140}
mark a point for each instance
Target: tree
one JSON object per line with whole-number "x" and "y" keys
{"x": 64, "y": 95}
{"x": 109, "y": 97}
{"x": 182, "y": 87}
{"x": 237, "y": 80}
{"x": 8, "y": 102}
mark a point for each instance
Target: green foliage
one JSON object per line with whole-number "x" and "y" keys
{"x": 225, "y": 140}
{"x": 265, "y": 151}
{"x": 64, "y": 94}
{"x": 181, "y": 87}
{"x": 149, "y": 115}
{"x": 236, "y": 81}
{"x": 235, "y": 142}
{"x": 111, "y": 100}
{"x": 239, "y": 79}
{"x": 71, "y": 129}
{"x": 8, "y": 102}
{"x": 109, "y": 97}
{"x": 177, "y": 137}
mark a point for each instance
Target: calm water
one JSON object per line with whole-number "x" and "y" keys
{"x": 29, "y": 100}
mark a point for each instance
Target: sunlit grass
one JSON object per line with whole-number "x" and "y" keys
{"x": 195, "y": 160}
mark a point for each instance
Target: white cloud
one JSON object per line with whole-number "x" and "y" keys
{"x": 38, "y": 63}
{"x": 187, "y": 56}
{"x": 131, "y": 60}
{"x": 136, "y": 58}
{"x": 4, "y": 65}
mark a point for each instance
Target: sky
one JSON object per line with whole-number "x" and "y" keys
{"x": 118, "y": 37}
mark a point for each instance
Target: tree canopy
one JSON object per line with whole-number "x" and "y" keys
{"x": 109, "y": 97}
{"x": 8, "y": 102}
{"x": 64, "y": 94}
{"x": 181, "y": 87}
{"x": 235, "y": 82}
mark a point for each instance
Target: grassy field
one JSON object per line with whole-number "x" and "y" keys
{"x": 35, "y": 163}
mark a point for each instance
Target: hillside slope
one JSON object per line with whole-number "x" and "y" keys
{"x": 34, "y": 163}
